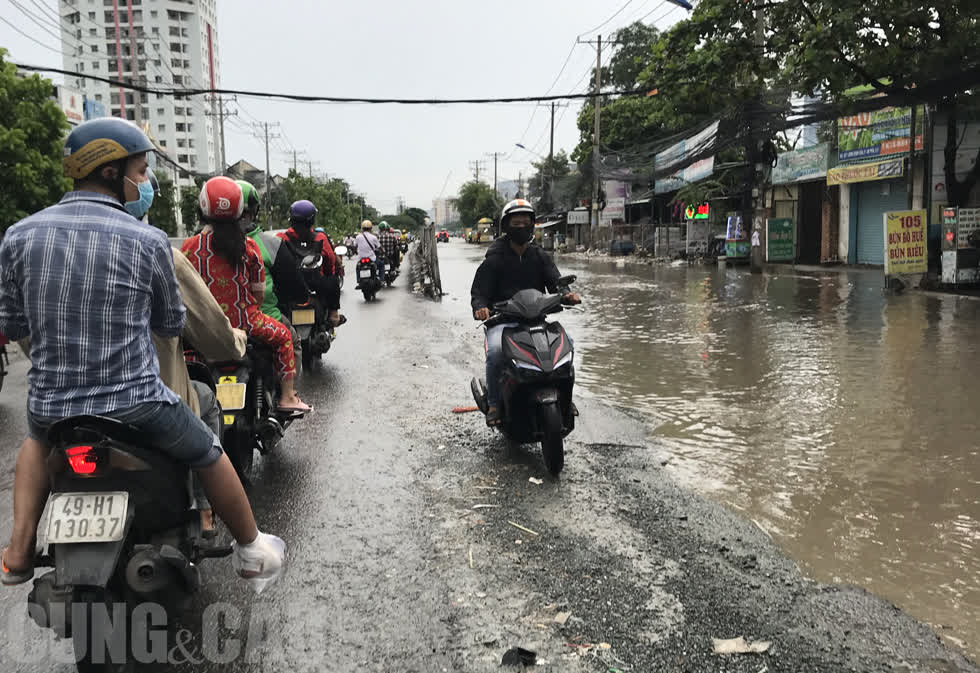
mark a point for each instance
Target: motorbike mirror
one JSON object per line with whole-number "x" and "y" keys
{"x": 566, "y": 280}
{"x": 340, "y": 250}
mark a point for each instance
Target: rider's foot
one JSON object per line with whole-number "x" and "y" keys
{"x": 493, "y": 417}
{"x": 20, "y": 570}
{"x": 336, "y": 319}
{"x": 207, "y": 520}
{"x": 294, "y": 403}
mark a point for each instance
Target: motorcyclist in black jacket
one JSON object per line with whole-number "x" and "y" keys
{"x": 513, "y": 263}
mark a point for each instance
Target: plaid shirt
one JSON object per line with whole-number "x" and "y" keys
{"x": 390, "y": 244}
{"x": 87, "y": 282}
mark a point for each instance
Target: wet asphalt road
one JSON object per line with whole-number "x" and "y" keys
{"x": 392, "y": 567}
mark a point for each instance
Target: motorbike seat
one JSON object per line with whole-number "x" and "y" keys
{"x": 91, "y": 429}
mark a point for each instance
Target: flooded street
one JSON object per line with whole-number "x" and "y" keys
{"x": 843, "y": 422}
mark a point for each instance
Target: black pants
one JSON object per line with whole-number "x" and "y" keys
{"x": 327, "y": 287}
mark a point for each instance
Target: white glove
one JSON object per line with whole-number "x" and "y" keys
{"x": 261, "y": 562}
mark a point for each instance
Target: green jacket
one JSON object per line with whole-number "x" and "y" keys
{"x": 270, "y": 302}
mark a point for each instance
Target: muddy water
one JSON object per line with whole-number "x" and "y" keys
{"x": 845, "y": 423}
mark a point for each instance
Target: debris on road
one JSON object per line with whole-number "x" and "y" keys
{"x": 562, "y": 617}
{"x": 485, "y": 506}
{"x": 535, "y": 480}
{"x": 739, "y": 646}
{"x": 518, "y": 656}
{"x": 520, "y": 527}
{"x": 464, "y": 410}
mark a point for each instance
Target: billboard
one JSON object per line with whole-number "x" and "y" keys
{"x": 869, "y": 135}
{"x": 882, "y": 170}
{"x": 679, "y": 153}
{"x": 905, "y": 241}
{"x": 72, "y": 104}
{"x": 809, "y": 163}
{"x": 93, "y": 109}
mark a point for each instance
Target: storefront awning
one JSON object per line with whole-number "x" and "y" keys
{"x": 545, "y": 225}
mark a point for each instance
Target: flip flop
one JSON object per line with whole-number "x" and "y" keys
{"x": 13, "y": 577}
{"x": 341, "y": 320}
{"x": 305, "y": 409}
{"x": 493, "y": 418}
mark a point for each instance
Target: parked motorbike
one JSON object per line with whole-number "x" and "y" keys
{"x": 536, "y": 382}
{"x": 368, "y": 281}
{"x": 121, "y": 532}
{"x": 247, "y": 391}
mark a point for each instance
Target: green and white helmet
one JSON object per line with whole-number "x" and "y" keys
{"x": 250, "y": 196}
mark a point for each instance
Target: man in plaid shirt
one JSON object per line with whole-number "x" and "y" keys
{"x": 86, "y": 283}
{"x": 390, "y": 244}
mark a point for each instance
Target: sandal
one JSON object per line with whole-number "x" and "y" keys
{"x": 493, "y": 417}
{"x": 302, "y": 408}
{"x": 13, "y": 577}
{"x": 340, "y": 321}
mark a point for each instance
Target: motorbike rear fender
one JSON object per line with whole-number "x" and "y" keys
{"x": 304, "y": 331}
{"x": 89, "y": 563}
{"x": 546, "y": 395}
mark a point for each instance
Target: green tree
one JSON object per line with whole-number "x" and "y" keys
{"x": 920, "y": 50}
{"x": 32, "y": 133}
{"x": 162, "y": 213}
{"x": 338, "y": 210}
{"x": 477, "y": 200}
{"x": 548, "y": 174}
{"x": 418, "y": 215}
{"x": 188, "y": 206}
{"x": 402, "y": 222}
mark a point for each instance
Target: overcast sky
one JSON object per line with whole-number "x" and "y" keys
{"x": 383, "y": 48}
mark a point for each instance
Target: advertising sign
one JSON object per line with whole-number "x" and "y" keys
{"x": 780, "y": 246}
{"x": 71, "y": 101}
{"x": 678, "y": 154}
{"x": 736, "y": 238}
{"x": 94, "y": 109}
{"x": 883, "y": 170}
{"x": 968, "y": 221}
{"x": 809, "y": 163}
{"x": 578, "y": 217}
{"x": 615, "y": 191}
{"x": 870, "y": 135}
{"x": 905, "y": 241}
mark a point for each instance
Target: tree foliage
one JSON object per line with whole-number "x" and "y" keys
{"x": 32, "y": 133}
{"x": 542, "y": 184}
{"x": 339, "y": 211}
{"x": 418, "y": 215}
{"x": 188, "y": 206}
{"x": 163, "y": 213}
{"x": 477, "y": 200}
{"x": 929, "y": 50}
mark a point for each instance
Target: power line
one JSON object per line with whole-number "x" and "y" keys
{"x": 34, "y": 18}
{"x": 615, "y": 14}
{"x": 307, "y": 98}
{"x": 33, "y": 39}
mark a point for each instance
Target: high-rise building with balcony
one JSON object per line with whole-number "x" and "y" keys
{"x": 158, "y": 44}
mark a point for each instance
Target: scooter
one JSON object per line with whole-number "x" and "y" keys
{"x": 247, "y": 390}
{"x": 121, "y": 533}
{"x": 368, "y": 281}
{"x": 536, "y": 382}
{"x": 391, "y": 272}
{"x": 310, "y": 319}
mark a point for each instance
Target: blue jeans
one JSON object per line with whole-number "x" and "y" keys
{"x": 172, "y": 429}
{"x": 381, "y": 268}
{"x": 495, "y": 361}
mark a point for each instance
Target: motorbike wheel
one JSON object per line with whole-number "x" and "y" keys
{"x": 552, "y": 445}
{"x": 367, "y": 295}
{"x": 96, "y": 649}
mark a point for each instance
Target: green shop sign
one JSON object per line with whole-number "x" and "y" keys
{"x": 780, "y": 246}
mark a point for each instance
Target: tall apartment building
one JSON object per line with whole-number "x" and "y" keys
{"x": 444, "y": 211}
{"x": 159, "y": 43}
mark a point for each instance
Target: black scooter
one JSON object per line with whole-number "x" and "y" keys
{"x": 247, "y": 391}
{"x": 536, "y": 381}
{"x": 368, "y": 281}
{"x": 310, "y": 319}
{"x": 121, "y": 532}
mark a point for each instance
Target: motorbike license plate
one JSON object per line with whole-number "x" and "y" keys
{"x": 363, "y": 273}
{"x": 231, "y": 395}
{"x": 87, "y": 517}
{"x": 306, "y": 316}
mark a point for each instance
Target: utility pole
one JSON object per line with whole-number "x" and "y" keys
{"x": 476, "y": 165}
{"x": 752, "y": 219}
{"x": 268, "y": 168}
{"x": 594, "y": 210}
{"x": 221, "y": 114}
{"x": 494, "y": 155}
{"x": 551, "y": 161}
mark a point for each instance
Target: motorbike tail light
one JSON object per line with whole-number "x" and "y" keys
{"x": 83, "y": 460}
{"x": 366, "y": 260}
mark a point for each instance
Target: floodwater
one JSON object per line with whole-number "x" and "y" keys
{"x": 844, "y": 422}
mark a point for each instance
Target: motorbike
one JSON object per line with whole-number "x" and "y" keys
{"x": 536, "y": 382}
{"x": 391, "y": 272}
{"x": 121, "y": 533}
{"x": 351, "y": 251}
{"x": 247, "y": 390}
{"x": 310, "y": 319}
{"x": 368, "y": 281}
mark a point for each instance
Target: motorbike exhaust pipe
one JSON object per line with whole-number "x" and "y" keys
{"x": 147, "y": 572}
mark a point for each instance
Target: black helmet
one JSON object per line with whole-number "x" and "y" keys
{"x": 101, "y": 141}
